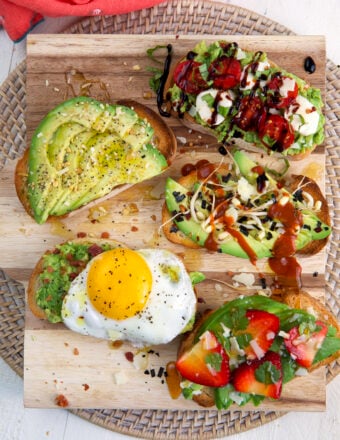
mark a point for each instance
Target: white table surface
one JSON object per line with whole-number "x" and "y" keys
{"x": 305, "y": 17}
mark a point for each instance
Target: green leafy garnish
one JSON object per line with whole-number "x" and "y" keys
{"x": 196, "y": 277}
{"x": 214, "y": 360}
{"x": 267, "y": 373}
{"x": 150, "y": 52}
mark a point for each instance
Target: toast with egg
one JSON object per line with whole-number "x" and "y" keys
{"x": 234, "y": 93}
{"x": 236, "y": 210}
{"x": 37, "y": 280}
{"x": 106, "y": 290}
{"x": 292, "y": 331}
{"x": 84, "y": 150}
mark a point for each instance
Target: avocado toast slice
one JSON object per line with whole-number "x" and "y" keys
{"x": 83, "y": 149}
{"x": 242, "y": 211}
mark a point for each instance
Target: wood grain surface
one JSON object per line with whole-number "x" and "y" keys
{"x": 111, "y": 68}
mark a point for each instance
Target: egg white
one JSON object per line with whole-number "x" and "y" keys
{"x": 170, "y": 307}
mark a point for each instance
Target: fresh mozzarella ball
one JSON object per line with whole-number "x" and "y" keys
{"x": 144, "y": 296}
{"x": 206, "y": 110}
{"x": 249, "y": 76}
{"x": 288, "y": 85}
{"x": 303, "y": 116}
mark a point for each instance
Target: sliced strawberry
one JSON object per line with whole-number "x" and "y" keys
{"x": 262, "y": 377}
{"x": 206, "y": 363}
{"x": 263, "y": 327}
{"x": 303, "y": 347}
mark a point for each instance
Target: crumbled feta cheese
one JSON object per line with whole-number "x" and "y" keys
{"x": 120, "y": 378}
{"x": 248, "y": 279}
{"x": 245, "y": 189}
{"x": 140, "y": 360}
{"x": 257, "y": 349}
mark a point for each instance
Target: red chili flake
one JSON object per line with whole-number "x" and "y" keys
{"x": 61, "y": 400}
{"x": 75, "y": 351}
{"x": 129, "y": 356}
{"x": 81, "y": 234}
{"x": 153, "y": 217}
{"x": 50, "y": 269}
{"x": 105, "y": 235}
{"x": 86, "y": 387}
{"x": 134, "y": 229}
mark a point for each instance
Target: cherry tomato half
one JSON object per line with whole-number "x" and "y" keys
{"x": 225, "y": 72}
{"x": 251, "y": 113}
{"x": 276, "y": 99}
{"x": 277, "y": 129}
{"x": 187, "y": 77}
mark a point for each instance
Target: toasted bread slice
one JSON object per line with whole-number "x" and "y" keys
{"x": 163, "y": 138}
{"x": 34, "y": 281}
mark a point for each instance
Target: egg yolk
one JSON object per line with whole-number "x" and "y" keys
{"x": 119, "y": 283}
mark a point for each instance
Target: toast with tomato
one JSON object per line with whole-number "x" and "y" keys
{"x": 234, "y": 93}
{"x": 247, "y": 350}
{"x": 242, "y": 211}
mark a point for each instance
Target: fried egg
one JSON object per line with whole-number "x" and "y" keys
{"x": 145, "y": 297}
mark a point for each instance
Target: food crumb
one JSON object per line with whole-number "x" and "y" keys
{"x": 136, "y": 67}
{"x": 76, "y": 351}
{"x": 134, "y": 229}
{"x": 86, "y": 386}
{"x": 120, "y": 378}
{"x": 61, "y": 401}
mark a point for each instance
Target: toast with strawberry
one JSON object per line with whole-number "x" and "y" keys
{"x": 246, "y": 350}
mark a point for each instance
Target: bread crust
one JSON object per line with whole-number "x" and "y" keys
{"x": 173, "y": 234}
{"x": 298, "y": 300}
{"x": 164, "y": 139}
{"x": 34, "y": 283}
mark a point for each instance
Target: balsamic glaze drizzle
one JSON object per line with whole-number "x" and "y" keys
{"x": 164, "y": 77}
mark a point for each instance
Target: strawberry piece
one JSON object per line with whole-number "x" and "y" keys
{"x": 206, "y": 363}
{"x": 263, "y": 327}
{"x": 303, "y": 348}
{"x": 262, "y": 377}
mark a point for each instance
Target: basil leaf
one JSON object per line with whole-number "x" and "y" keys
{"x": 214, "y": 360}
{"x": 267, "y": 373}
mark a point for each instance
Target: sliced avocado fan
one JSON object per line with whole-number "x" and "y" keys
{"x": 83, "y": 149}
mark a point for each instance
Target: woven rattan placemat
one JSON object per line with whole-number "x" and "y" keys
{"x": 173, "y": 17}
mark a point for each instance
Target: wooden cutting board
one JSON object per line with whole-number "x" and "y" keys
{"x": 85, "y": 370}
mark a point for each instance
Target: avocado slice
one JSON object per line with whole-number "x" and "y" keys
{"x": 82, "y": 149}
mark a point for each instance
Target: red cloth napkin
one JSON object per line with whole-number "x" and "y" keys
{"x": 18, "y": 17}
